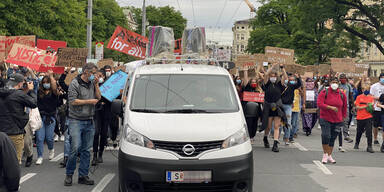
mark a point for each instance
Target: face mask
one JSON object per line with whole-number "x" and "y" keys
{"x": 238, "y": 81}
{"x": 91, "y": 78}
{"x": 286, "y": 81}
{"x": 41, "y": 78}
{"x": 292, "y": 82}
{"x": 79, "y": 70}
{"x": 366, "y": 92}
{"x": 315, "y": 78}
{"x": 334, "y": 86}
{"x": 101, "y": 80}
{"x": 253, "y": 85}
{"x": 47, "y": 85}
{"x": 343, "y": 81}
{"x": 382, "y": 80}
{"x": 273, "y": 79}
{"x": 108, "y": 74}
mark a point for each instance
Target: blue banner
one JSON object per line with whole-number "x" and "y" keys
{"x": 111, "y": 88}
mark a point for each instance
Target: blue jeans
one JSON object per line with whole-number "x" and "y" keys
{"x": 288, "y": 113}
{"x": 45, "y": 133}
{"x": 67, "y": 141}
{"x": 294, "y": 123}
{"x": 81, "y": 133}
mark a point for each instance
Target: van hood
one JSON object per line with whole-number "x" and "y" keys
{"x": 186, "y": 127}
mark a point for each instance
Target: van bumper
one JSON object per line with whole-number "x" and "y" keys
{"x": 137, "y": 174}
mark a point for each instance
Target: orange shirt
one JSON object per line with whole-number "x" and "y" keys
{"x": 362, "y": 100}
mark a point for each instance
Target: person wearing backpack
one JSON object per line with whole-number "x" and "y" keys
{"x": 332, "y": 103}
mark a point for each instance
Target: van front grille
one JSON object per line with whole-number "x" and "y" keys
{"x": 177, "y": 147}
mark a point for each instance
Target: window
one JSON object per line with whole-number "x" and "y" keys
{"x": 183, "y": 94}
{"x": 237, "y": 27}
{"x": 242, "y": 27}
{"x": 238, "y": 36}
{"x": 238, "y": 48}
{"x": 375, "y": 73}
{"x": 242, "y": 36}
{"x": 242, "y": 48}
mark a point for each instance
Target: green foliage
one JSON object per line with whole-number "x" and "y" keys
{"x": 301, "y": 25}
{"x": 165, "y": 16}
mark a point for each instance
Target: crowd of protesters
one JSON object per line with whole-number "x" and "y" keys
{"x": 74, "y": 113}
{"x": 333, "y": 101}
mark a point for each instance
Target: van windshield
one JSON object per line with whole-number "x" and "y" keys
{"x": 183, "y": 94}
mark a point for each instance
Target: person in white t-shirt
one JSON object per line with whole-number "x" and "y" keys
{"x": 376, "y": 90}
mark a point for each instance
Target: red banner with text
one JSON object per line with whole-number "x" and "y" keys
{"x": 254, "y": 97}
{"x": 128, "y": 42}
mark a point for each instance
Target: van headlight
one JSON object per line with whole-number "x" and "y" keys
{"x": 238, "y": 138}
{"x": 136, "y": 138}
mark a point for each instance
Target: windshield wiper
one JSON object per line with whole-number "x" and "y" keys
{"x": 187, "y": 111}
{"x": 146, "y": 111}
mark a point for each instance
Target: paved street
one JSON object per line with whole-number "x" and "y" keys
{"x": 294, "y": 169}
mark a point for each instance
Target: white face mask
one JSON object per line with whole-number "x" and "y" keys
{"x": 108, "y": 73}
{"x": 334, "y": 86}
{"x": 101, "y": 80}
{"x": 273, "y": 79}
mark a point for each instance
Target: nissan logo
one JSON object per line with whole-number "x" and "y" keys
{"x": 188, "y": 149}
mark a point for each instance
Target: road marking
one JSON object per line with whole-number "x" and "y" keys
{"x": 322, "y": 167}
{"x": 300, "y": 147}
{"x": 103, "y": 183}
{"x": 58, "y": 157}
{"x": 26, "y": 177}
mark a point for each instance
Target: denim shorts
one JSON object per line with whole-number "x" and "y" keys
{"x": 329, "y": 131}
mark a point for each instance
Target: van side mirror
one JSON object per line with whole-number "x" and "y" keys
{"x": 117, "y": 107}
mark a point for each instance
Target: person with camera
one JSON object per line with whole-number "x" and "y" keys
{"x": 14, "y": 98}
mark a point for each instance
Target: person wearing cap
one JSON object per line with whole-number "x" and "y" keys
{"x": 376, "y": 90}
{"x": 348, "y": 90}
{"x": 14, "y": 98}
{"x": 332, "y": 103}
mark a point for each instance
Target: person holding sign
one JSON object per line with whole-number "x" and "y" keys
{"x": 364, "y": 106}
{"x": 309, "y": 119}
{"x": 83, "y": 95}
{"x": 273, "y": 86}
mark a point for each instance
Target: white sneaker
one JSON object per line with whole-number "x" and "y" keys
{"x": 39, "y": 161}
{"x": 62, "y": 138}
{"x": 352, "y": 123}
{"x": 56, "y": 138}
{"x": 341, "y": 149}
{"x": 51, "y": 154}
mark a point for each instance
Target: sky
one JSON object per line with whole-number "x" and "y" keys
{"x": 217, "y": 16}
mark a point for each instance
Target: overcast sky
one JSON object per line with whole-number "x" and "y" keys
{"x": 207, "y": 14}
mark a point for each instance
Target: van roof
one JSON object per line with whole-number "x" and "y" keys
{"x": 176, "y": 69}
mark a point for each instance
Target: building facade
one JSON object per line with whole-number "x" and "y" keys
{"x": 241, "y": 33}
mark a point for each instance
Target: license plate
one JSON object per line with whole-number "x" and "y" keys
{"x": 189, "y": 176}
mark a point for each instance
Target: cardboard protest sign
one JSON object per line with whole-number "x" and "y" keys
{"x": 279, "y": 55}
{"x": 308, "y": 75}
{"x": 343, "y": 65}
{"x": 111, "y": 88}
{"x": 71, "y": 57}
{"x": 70, "y": 77}
{"x": 294, "y": 68}
{"x": 250, "y": 61}
{"x": 55, "y": 45}
{"x": 105, "y": 62}
{"x": 128, "y": 42}
{"x": 254, "y": 97}
{"x": 324, "y": 69}
{"x": 7, "y": 42}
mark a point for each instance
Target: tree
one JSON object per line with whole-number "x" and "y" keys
{"x": 162, "y": 16}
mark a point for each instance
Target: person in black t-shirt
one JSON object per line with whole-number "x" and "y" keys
{"x": 273, "y": 87}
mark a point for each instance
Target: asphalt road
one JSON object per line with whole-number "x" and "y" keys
{"x": 295, "y": 169}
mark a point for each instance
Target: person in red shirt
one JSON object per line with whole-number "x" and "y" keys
{"x": 364, "y": 117}
{"x": 332, "y": 103}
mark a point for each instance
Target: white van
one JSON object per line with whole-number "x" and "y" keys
{"x": 183, "y": 130}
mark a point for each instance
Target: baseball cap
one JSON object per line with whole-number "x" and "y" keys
{"x": 16, "y": 77}
{"x": 343, "y": 76}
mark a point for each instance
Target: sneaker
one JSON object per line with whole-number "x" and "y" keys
{"x": 68, "y": 180}
{"x": 62, "y": 138}
{"x": 39, "y": 161}
{"x": 28, "y": 162}
{"x": 331, "y": 160}
{"x": 356, "y": 146}
{"x": 56, "y": 138}
{"x": 348, "y": 140}
{"x": 286, "y": 143}
{"x": 325, "y": 158}
{"x": 352, "y": 123}
{"x": 85, "y": 180}
{"x": 341, "y": 149}
{"x": 370, "y": 150}
{"x": 51, "y": 154}
{"x": 275, "y": 147}
{"x": 291, "y": 140}
{"x": 376, "y": 142}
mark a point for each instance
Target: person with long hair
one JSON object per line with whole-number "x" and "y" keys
{"x": 333, "y": 109}
{"x": 254, "y": 113}
{"x": 47, "y": 102}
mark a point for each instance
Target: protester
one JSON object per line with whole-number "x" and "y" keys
{"x": 253, "y": 110}
{"x": 9, "y": 166}
{"x": 348, "y": 90}
{"x": 83, "y": 95}
{"x": 333, "y": 109}
{"x": 273, "y": 106}
{"x": 64, "y": 108}
{"x": 381, "y": 105}
{"x": 376, "y": 90}
{"x": 47, "y": 102}
{"x": 14, "y": 98}
{"x": 296, "y": 109}
{"x": 114, "y": 120}
{"x": 364, "y": 106}
{"x": 309, "y": 119}
{"x": 287, "y": 96}
{"x": 102, "y": 122}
